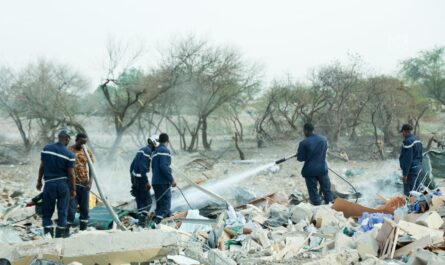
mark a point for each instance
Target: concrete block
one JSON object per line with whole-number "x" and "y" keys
{"x": 430, "y": 219}
{"x": 367, "y": 244}
{"x": 301, "y": 212}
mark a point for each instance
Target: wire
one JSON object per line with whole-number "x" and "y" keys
{"x": 349, "y": 183}
{"x": 180, "y": 190}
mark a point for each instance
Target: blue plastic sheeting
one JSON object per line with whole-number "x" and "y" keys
{"x": 367, "y": 221}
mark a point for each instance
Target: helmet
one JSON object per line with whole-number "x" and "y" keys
{"x": 64, "y": 133}
{"x": 153, "y": 140}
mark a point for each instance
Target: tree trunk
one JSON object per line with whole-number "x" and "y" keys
{"x": 376, "y": 137}
{"x": 241, "y": 153}
{"x": 25, "y": 139}
{"x": 194, "y": 135}
{"x": 115, "y": 146}
{"x": 205, "y": 142}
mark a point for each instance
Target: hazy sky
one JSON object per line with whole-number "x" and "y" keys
{"x": 284, "y": 36}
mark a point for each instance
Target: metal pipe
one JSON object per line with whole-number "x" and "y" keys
{"x": 109, "y": 208}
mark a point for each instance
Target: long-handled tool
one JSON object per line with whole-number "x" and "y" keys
{"x": 284, "y": 159}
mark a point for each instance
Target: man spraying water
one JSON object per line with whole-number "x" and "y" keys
{"x": 312, "y": 151}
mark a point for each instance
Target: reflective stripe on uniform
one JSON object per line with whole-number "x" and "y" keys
{"x": 411, "y": 145}
{"x": 161, "y": 154}
{"x": 136, "y": 174}
{"x": 49, "y": 180}
{"x": 59, "y": 155}
{"x": 146, "y": 155}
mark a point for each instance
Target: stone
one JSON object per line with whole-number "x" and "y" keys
{"x": 301, "y": 212}
{"x": 430, "y": 219}
{"x": 278, "y": 215}
{"x": 261, "y": 237}
{"x": 296, "y": 197}
{"x": 324, "y": 216}
{"x": 418, "y": 231}
{"x": 217, "y": 257}
{"x": 367, "y": 244}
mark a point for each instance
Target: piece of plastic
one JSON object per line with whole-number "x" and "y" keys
{"x": 367, "y": 221}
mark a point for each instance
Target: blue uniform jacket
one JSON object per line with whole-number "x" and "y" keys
{"x": 312, "y": 151}
{"x": 161, "y": 161}
{"x": 411, "y": 156}
{"x": 141, "y": 165}
{"x": 56, "y": 160}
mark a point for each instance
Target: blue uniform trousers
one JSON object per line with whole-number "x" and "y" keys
{"x": 55, "y": 192}
{"x": 143, "y": 198}
{"x": 163, "y": 198}
{"x": 312, "y": 187}
{"x": 82, "y": 200}
{"x": 412, "y": 183}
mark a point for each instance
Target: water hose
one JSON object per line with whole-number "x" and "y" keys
{"x": 349, "y": 183}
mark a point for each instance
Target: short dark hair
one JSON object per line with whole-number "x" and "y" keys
{"x": 163, "y": 138}
{"x": 308, "y": 127}
{"x": 81, "y": 136}
{"x": 406, "y": 127}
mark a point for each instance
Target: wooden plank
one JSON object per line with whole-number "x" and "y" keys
{"x": 394, "y": 243}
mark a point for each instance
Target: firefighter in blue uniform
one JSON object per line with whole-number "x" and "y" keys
{"x": 57, "y": 173}
{"x": 162, "y": 180}
{"x": 312, "y": 151}
{"x": 140, "y": 188}
{"x": 410, "y": 159}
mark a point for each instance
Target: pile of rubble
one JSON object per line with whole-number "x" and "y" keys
{"x": 272, "y": 229}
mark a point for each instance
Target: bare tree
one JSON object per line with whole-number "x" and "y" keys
{"x": 8, "y": 100}
{"x": 211, "y": 77}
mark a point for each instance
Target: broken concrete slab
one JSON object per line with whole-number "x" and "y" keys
{"x": 423, "y": 257}
{"x": 430, "y": 219}
{"x": 96, "y": 247}
{"x": 419, "y": 231}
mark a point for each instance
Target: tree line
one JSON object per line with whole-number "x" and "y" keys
{"x": 196, "y": 82}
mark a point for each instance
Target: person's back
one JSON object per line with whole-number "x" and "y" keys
{"x": 57, "y": 159}
{"x": 410, "y": 159}
{"x": 161, "y": 166}
{"x": 57, "y": 171}
{"x": 162, "y": 179}
{"x": 312, "y": 151}
{"x": 411, "y": 155}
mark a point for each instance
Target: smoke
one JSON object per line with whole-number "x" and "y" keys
{"x": 378, "y": 178}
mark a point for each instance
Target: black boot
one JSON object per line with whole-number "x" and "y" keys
{"x": 142, "y": 220}
{"x": 83, "y": 226}
{"x": 67, "y": 231}
{"x": 49, "y": 230}
{"x": 60, "y": 232}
